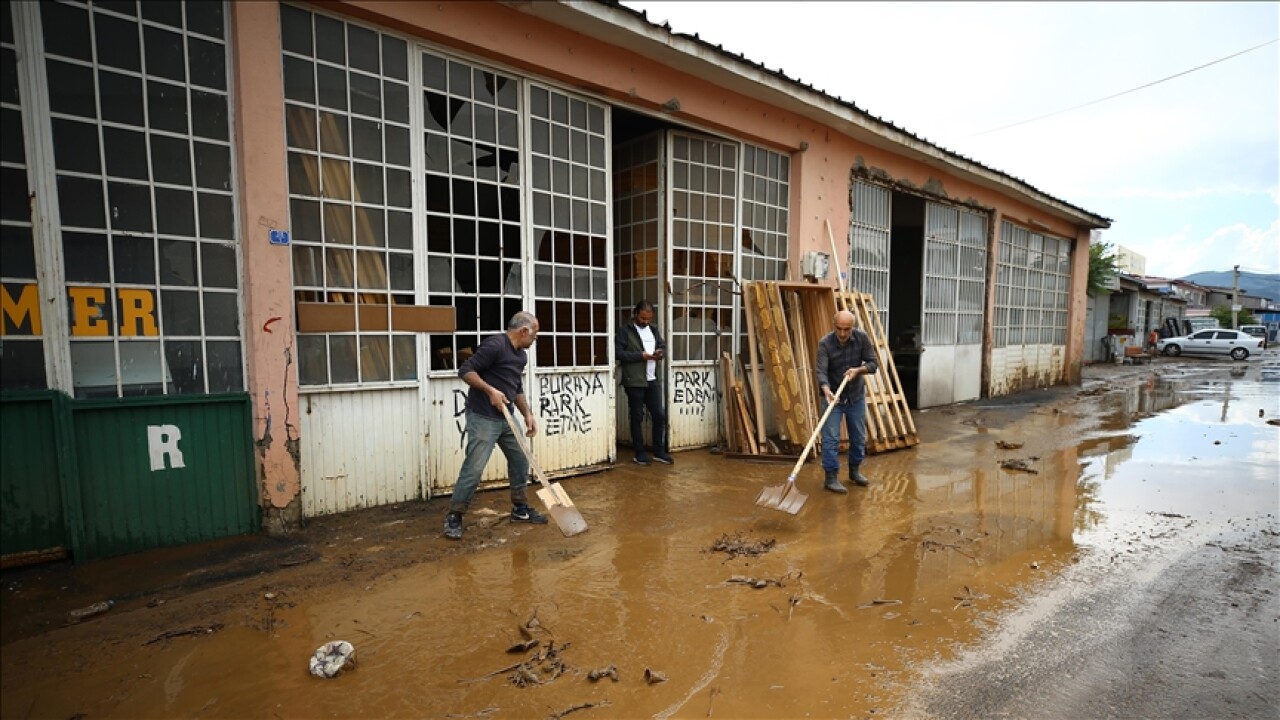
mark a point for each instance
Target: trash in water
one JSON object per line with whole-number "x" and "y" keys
{"x": 1007, "y": 445}
{"x": 85, "y": 613}
{"x": 610, "y": 672}
{"x": 653, "y": 677}
{"x": 332, "y": 658}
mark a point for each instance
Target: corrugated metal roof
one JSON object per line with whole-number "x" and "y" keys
{"x": 848, "y": 104}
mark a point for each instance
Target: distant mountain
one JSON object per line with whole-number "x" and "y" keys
{"x": 1267, "y": 286}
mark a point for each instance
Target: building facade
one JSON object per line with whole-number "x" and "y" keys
{"x": 247, "y": 245}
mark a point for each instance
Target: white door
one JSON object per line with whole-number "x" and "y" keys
{"x": 955, "y": 261}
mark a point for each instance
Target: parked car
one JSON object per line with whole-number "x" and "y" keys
{"x": 1213, "y": 342}
{"x": 1259, "y": 331}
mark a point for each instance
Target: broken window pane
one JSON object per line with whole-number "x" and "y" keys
{"x": 185, "y": 359}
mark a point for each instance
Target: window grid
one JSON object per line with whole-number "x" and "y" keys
{"x": 1032, "y": 277}
{"x": 637, "y": 218}
{"x": 569, "y": 152}
{"x": 471, "y": 147}
{"x": 955, "y": 265}
{"x": 22, "y": 365}
{"x": 347, "y": 95}
{"x": 152, "y": 285}
{"x": 766, "y": 201}
{"x": 869, "y": 245}
{"x": 704, "y": 187}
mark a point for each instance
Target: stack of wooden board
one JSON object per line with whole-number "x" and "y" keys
{"x": 889, "y": 423}
{"x": 785, "y": 321}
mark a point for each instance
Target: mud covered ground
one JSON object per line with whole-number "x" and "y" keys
{"x": 1116, "y": 556}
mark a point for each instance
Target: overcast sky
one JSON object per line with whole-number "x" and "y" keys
{"x": 1186, "y": 169}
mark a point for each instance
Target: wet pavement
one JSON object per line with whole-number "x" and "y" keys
{"x": 868, "y": 604}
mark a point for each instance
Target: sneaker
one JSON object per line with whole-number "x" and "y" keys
{"x": 664, "y": 458}
{"x": 640, "y": 460}
{"x": 453, "y": 526}
{"x": 526, "y": 514}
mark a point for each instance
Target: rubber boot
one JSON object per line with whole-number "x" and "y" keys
{"x": 857, "y": 478}
{"x": 833, "y": 483}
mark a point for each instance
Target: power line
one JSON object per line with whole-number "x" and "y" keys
{"x": 1130, "y": 90}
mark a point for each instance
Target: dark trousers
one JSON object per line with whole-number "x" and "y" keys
{"x": 639, "y": 398}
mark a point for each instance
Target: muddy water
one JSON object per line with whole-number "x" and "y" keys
{"x": 860, "y": 590}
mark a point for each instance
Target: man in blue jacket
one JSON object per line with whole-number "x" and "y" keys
{"x": 639, "y": 348}
{"x": 495, "y": 374}
{"x": 844, "y": 352}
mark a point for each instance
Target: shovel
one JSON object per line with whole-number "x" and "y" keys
{"x": 559, "y": 506}
{"x": 787, "y": 497}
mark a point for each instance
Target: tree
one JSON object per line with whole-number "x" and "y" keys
{"x": 1222, "y": 313}
{"x": 1102, "y": 268}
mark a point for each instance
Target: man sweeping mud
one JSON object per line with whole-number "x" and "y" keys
{"x": 495, "y": 377}
{"x": 845, "y": 352}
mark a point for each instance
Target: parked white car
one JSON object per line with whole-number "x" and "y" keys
{"x": 1212, "y": 342}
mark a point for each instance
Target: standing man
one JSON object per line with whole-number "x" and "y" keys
{"x": 495, "y": 374}
{"x": 640, "y": 347}
{"x": 844, "y": 353}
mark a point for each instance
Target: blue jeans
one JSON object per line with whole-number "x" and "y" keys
{"x": 639, "y": 398}
{"x": 853, "y": 413}
{"x": 482, "y": 434}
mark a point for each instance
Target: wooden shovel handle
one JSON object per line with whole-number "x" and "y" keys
{"x": 515, "y": 430}
{"x": 817, "y": 431}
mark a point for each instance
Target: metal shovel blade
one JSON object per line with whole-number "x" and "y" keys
{"x": 786, "y": 497}
{"x": 793, "y": 500}
{"x": 562, "y": 510}
{"x": 770, "y": 497}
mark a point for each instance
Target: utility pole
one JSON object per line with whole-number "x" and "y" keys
{"x": 1235, "y": 294}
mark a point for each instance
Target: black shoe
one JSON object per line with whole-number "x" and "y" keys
{"x": 526, "y": 514}
{"x": 453, "y": 526}
{"x": 640, "y": 460}
{"x": 856, "y": 477}
{"x": 664, "y": 458}
{"x": 832, "y": 483}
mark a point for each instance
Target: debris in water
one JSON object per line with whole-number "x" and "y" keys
{"x": 332, "y": 658}
{"x": 653, "y": 677}
{"x": 197, "y": 630}
{"x": 608, "y": 671}
{"x": 85, "y": 613}
{"x": 1021, "y": 465}
{"x": 736, "y": 545}
{"x": 525, "y": 646}
{"x": 1008, "y": 445}
{"x": 874, "y": 603}
{"x": 575, "y": 708}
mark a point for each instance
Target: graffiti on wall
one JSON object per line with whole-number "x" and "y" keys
{"x": 460, "y": 409}
{"x": 695, "y": 391}
{"x": 560, "y": 402}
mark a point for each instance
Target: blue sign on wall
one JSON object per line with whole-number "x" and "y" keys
{"x": 279, "y": 237}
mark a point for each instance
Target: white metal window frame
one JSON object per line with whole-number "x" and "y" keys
{"x": 62, "y": 348}
{"x": 869, "y": 228}
{"x": 1033, "y": 274}
{"x": 356, "y": 255}
{"x": 955, "y": 261}
{"x": 12, "y": 169}
{"x": 696, "y": 209}
{"x": 573, "y": 290}
{"x": 765, "y": 214}
{"x": 639, "y": 204}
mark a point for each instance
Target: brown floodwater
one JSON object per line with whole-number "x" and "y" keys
{"x": 861, "y": 590}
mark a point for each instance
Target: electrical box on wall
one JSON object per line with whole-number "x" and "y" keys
{"x": 814, "y": 264}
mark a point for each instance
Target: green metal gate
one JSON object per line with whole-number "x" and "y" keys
{"x": 109, "y": 477}
{"x": 35, "y": 487}
{"x": 164, "y": 471}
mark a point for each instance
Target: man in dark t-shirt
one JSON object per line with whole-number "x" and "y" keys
{"x": 495, "y": 375}
{"x": 845, "y": 352}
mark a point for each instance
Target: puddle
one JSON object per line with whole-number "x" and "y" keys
{"x": 858, "y": 591}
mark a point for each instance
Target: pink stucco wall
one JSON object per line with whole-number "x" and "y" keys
{"x": 268, "y": 295}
